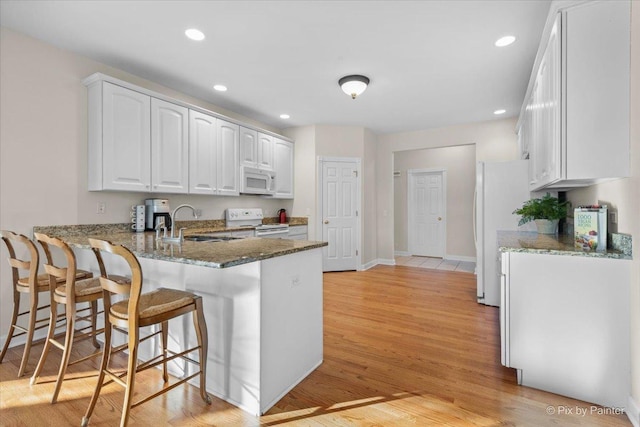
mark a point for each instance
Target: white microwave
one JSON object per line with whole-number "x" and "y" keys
{"x": 257, "y": 181}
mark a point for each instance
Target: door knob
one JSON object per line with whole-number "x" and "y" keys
{"x": 326, "y": 221}
{"x": 439, "y": 218}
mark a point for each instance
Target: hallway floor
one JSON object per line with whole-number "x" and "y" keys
{"x": 435, "y": 263}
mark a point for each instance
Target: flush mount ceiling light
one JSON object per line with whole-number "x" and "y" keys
{"x": 194, "y": 34}
{"x": 353, "y": 85}
{"x": 220, "y": 88}
{"x": 505, "y": 41}
{"x": 498, "y": 112}
{"x": 285, "y": 116}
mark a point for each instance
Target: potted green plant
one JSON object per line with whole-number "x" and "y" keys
{"x": 545, "y": 211}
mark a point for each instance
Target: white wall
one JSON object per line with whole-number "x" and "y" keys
{"x": 623, "y": 195}
{"x": 43, "y": 148}
{"x": 335, "y": 141}
{"x": 305, "y": 187}
{"x": 460, "y": 165}
{"x": 494, "y": 141}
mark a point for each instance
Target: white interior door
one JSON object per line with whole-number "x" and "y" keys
{"x": 340, "y": 199}
{"x": 426, "y": 207}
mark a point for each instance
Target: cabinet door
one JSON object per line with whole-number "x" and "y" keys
{"x": 169, "y": 147}
{"x": 546, "y": 114}
{"x": 203, "y": 134}
{"x": 126, "y": 143}
{"x": 248, "y": 147}
{"x": 265, "y": 151}
{"x": 597, "y": 89}
{"x": 283, "y": 166}
{"x": 228, "y": 161}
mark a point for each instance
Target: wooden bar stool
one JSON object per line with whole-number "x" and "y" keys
{"x": 30, "y": 285}
{"x": 141, "y": 310}
{"x": 70, "y": 293}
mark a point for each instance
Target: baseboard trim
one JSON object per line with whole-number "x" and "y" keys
{"x": 460, "y": 258}
{"x": 633, "y": 412}
{"x": 368, "y": 265}
{"x": 384, "y": 261}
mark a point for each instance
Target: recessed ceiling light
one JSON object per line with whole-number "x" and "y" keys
{"x": 220, "y": 88}
{"x": 284, "y": 116}
{"x": 505, "y": 41}
{"x": 498, "y": 112}
{"x": 194, "y": 34}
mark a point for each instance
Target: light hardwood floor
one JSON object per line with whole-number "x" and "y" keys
{"x": 403, "y": 347}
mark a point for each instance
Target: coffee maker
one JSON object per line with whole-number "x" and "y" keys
{"x": 157, "y": 210}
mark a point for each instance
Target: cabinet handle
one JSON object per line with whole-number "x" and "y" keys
{"x": 326, "y": 221}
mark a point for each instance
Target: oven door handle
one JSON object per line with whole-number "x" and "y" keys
{"x": 260, "y": 233}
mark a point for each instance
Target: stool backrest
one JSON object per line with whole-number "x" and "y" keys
{"x": 65, "y": 273}
{"x": 10, "y": 239}
{"x": 133, "y": 288}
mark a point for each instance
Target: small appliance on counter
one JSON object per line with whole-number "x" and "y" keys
{"x": 138, "y": 218}
{"x": 157, "y": 211}
{"x": 282, "y": 216}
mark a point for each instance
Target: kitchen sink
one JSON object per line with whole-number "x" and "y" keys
{"x": 206, "y": 238}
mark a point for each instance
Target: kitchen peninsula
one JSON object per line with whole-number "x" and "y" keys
{"x": 262, "y": 301}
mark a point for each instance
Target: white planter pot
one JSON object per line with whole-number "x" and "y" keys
{"x": 546, "y": 226}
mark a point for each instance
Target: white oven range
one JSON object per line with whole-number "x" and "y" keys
{"x": 252, "y": 217}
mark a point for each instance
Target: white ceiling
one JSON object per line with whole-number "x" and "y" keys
{"x": 431, "y": 63}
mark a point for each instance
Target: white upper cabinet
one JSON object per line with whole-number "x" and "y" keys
{"x": 214, "y": 155}
{"x": 119, "y": 139}
{"x": 265, "y": 151}
{"x": 228, "y": 159}
{"x": 283, "y": 167}
{"x": 143, "y": 141}
{"x": 203, "y": 136}
{"x": 574, "y": 125}
{"x": 169, "y": 147}
{"x": 256, "y": 149}
{"x": 248, "y": 147}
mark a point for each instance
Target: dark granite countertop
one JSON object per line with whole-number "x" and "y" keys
{"x": 208, "y": 254}
{"x": 535, "y": 243}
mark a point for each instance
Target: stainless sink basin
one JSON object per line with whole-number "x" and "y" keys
{"x": 206, "y": 238}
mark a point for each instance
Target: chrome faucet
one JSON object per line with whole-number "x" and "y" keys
{"x": 179, "y": 238}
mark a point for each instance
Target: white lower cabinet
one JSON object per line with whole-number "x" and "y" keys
{"x": 565, "y": 325}
{"x": 283, "y": 167}
{"x": 298, "y": 232}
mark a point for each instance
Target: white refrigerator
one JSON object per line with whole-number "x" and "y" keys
{"x": 501, "y": 187}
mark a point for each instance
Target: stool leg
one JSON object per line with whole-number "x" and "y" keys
{"x": 94, "y": 319}
{"x": 33, "y": 313}
{"x": 106, "y": 354}
{"x": 12, "y": 328}
{"x": 131, "y": 375}
{"x": 53, "y": 317}
{"x": 203, "y": 343}
{"x": 164, "y": 329}
{"x": 66, "y": 353}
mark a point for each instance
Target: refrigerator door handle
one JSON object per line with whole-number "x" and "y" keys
{"x": 475, "y": 220}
